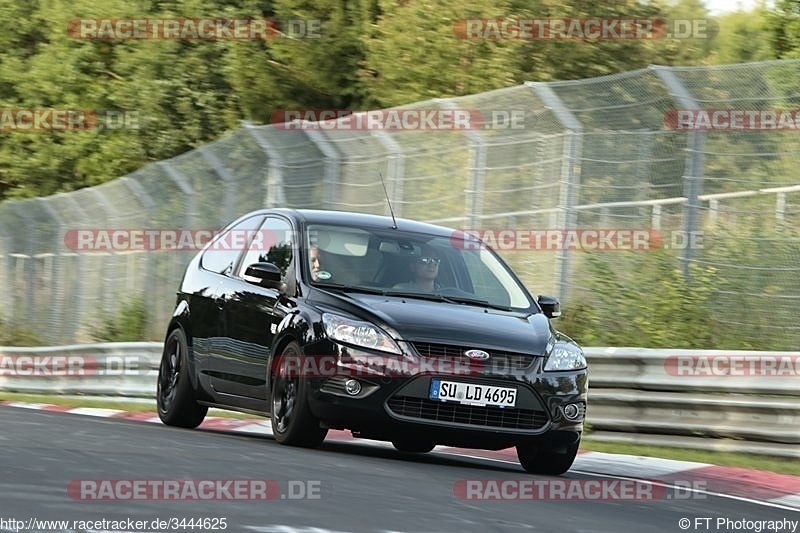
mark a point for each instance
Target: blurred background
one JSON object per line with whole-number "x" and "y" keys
{"x": 594, "y": 152}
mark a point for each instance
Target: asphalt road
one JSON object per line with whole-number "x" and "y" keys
{"x": 360, "y": 487}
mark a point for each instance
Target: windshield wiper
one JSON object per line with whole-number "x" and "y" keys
{"x": 348, "y": 288}
{"x": 421, "y": 295}
{"x": 447, "y": 298}
{"x": 476, "y": 301}
{"x": 433, "y": 296}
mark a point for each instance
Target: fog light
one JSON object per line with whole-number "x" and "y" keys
{"x": 352, "y": 387}
{"x": 572, "y": 411}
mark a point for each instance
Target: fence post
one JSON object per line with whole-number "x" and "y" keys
{"x": 332, "y": 161}
{"x": 54, "y": 279}
{"x": 149, "y": 269}
{"x": 108, "y": 214}
{"x": 780, "y": 208}
{"x": 185, "y": 187}
{"x": 24, "y": 273}
{"x": 570, "y": 174}
{"x": 71, "y": 325}
{"x": 395, "y": 170}
{"x": 656, "y": 217}
{"x": 174, "y": 263}
{"x": 693, "y": 173}
{"x": 228, "y": 180}
{"x": 7, "y": 307}
{"x": 477, "y": 172}
{"x": 275, "y": 196}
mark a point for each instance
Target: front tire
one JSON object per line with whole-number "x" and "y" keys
{"x": 548, "y": 462}
{"x": 175, "y": 397}
{"x": 293, "y": 423}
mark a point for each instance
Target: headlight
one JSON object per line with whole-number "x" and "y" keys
{"x": 358, "y": 333}
{"x": 565, "y": 356}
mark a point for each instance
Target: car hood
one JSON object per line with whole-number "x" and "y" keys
{"x": 419, "y": 320}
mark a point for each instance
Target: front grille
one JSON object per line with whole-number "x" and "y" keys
{"x": 499, "y": 360}
{"x": 489, "y": 417}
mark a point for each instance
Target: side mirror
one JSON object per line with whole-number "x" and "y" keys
{"x": 265, "y": 274}
{"x": 550, "y": 305}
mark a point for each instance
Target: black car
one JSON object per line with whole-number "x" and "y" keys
{"x": 395, "y": 330}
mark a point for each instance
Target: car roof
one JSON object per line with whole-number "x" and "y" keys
{"x": 364, "y": 220}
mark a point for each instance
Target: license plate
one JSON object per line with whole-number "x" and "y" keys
{"x": 471, "y": 394}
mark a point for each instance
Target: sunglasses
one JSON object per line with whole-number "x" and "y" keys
{"x": 429, "y": 260}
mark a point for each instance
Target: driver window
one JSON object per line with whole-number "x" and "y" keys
{"x": 273, "y": 243}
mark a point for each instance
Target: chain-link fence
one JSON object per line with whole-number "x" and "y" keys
{"x": 594, "y": 153}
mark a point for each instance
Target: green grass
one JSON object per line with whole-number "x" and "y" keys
{"x": 743, "y": 460}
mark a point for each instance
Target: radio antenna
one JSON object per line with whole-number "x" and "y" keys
{"x": 386, "y": 193}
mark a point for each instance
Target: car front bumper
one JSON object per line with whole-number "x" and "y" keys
{"x": 394, "y": 401}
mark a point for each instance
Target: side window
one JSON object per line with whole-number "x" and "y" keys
{"x": 274, "y": 244}
{"x": 223, "y": 252}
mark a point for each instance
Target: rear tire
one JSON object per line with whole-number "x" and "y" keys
{"x": 552, "y": 463}
{"x": 293, "y": 423}
{"x": 412, "y": 445}
{"x": 175, "y": 397}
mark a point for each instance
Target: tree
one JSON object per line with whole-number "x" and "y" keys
{"x": 743, "y": 37}
{"x": 308, "y": 66}
{"x": 783, "y": 23}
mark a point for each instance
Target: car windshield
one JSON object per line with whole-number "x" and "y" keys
{"x": 394, "y": 262}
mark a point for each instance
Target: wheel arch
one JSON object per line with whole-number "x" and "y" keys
{"x": 181, "y": 320}
{"x": 293, "y": 328}
{"x": 288, "y": 336}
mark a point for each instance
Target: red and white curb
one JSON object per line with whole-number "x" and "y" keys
{"x": 771, "y": 488}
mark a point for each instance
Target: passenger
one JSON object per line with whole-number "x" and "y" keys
{"x": 315, "y": 263}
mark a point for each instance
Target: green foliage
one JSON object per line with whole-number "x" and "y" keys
{"x": 129, "y": 324}
{"x": 17, "y": 335}
{"x": 372, "y": 53}
{"x": 299, "y": 73}
{"x": 415, "y": 53}
{"x": 740, "y": 294}
{"x": 743, "y": 37}
{"x": 643, "y": 300}
{"x": 756, "y": 305}
{"x": 783, "y": 26}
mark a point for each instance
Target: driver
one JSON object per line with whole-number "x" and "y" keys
{"x": 424, "y": 270}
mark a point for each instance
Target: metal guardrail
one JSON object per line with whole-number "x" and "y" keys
{"x": 124, "y": 369}
{"x": 634, "y": 397}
